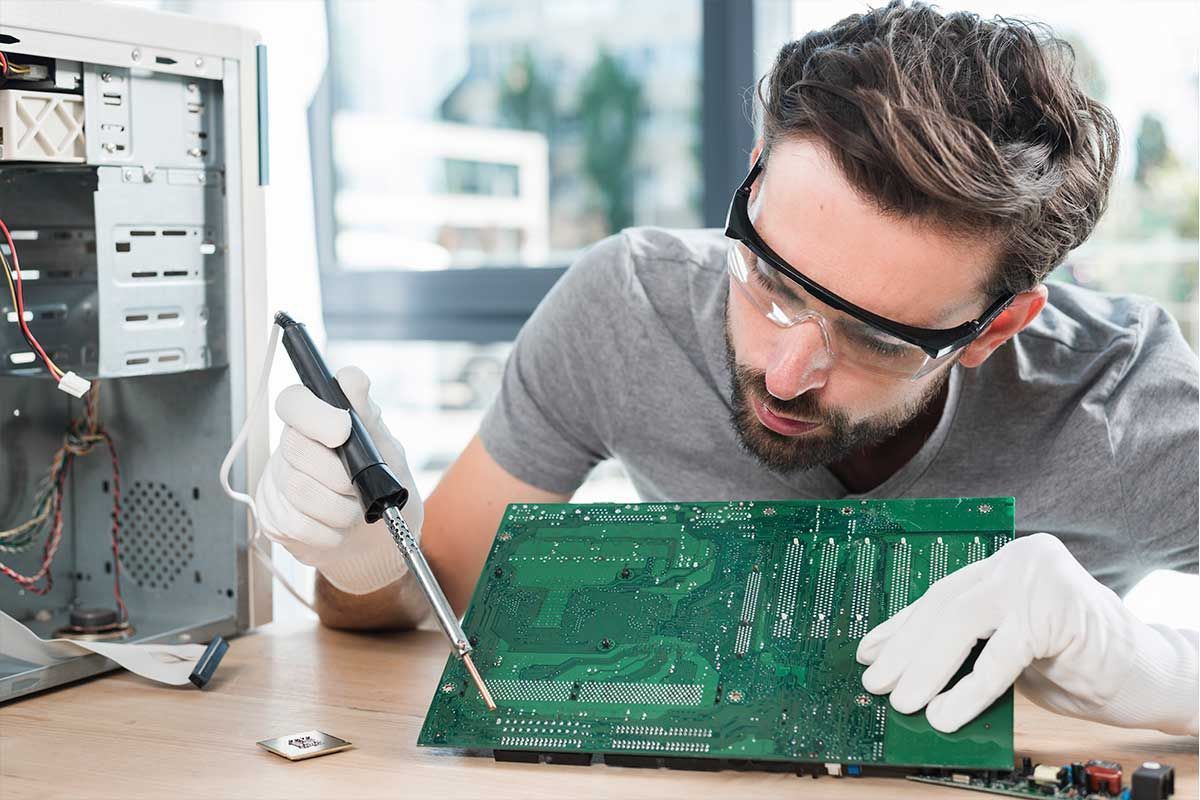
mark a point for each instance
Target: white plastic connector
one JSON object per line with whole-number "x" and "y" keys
{"x": 72, "y": 384}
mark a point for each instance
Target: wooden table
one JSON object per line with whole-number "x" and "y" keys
{"x": 121, "y": 736}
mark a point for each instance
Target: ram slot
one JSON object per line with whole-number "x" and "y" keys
{"x": 746, "y": 622}
{"x": 937, "y": 561}
{"x": 826, "y": 586}
{"x": 789, "y": 582}
{"x": 901, "y": 577}
{"x": 860, "y": 603}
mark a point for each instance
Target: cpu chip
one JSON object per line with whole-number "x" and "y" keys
{"x": 308, "y": 744}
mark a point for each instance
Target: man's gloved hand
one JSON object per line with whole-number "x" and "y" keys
{"x": 1072, "y": 643}
{"x": 306, "y": 501}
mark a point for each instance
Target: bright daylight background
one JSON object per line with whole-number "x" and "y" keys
{"x": 450, "y": 139}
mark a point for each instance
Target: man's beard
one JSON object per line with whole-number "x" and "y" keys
{"x": 833, "y": 441}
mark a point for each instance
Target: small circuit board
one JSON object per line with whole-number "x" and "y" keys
{"x": 1096, "y": 780}
{"x": 697, "y": 633}
{"x": 1015, "y": 787}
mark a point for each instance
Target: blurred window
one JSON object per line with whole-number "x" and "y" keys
{"x": 471, "y": 133}
{"x": 466, "y": 151}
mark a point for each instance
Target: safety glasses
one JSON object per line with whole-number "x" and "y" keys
{"x": 788, "y": 297}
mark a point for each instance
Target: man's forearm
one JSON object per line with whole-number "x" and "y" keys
{"x": 398, "y": 606}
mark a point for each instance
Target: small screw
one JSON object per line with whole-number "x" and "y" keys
{"x": 191, "y": 87}
{"x": 128, "y": 174}
{"x": 498, "y": 573}
{"x": 136, "y": 55}
{"x": 200, "y": 178}
{"x": 106, "y": 76}
{"x": 199, "y": 63}
{"x": 625, "y": 573}
{"x": 448, "y": 687}
{"x": 605, "y": 644}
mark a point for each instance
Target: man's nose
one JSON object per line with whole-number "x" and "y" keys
{"x": 800, "y": 361}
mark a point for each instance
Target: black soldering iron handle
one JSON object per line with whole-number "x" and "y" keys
{"x": 377, "y": 485}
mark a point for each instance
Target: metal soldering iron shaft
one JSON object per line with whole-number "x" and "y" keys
{"x": 479, "y": 684}
{"x": 445, "y": 615}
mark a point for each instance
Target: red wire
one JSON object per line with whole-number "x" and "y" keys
{"x": 54, "y": 371}
{"x": 4, "y": 62}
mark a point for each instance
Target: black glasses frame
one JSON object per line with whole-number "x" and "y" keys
{"x": 935, "y": 342}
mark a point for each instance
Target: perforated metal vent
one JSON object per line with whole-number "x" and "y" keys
{"x": 157, "y": 539}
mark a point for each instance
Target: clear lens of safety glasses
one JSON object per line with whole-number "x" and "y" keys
{"x": 854, "y": 341}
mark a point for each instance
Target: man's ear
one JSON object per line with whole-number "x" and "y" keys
{"x": 754, "y": 154}
{"x": 1022, "y": 311}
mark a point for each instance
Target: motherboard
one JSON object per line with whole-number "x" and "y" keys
{"x": 711, "y": 631}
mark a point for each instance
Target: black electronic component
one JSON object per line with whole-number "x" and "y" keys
{"x": 203, "y": 671}
{"x": 1078, "y": 779}
{"x": 1152, "y": 781}
{"x": 1026, "y": 765}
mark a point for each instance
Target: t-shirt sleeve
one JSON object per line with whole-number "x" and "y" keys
{"x": 547, "y": 426}
{"x": 1152, "y": 415}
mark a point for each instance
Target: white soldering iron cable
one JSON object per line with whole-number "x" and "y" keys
{"x": 245, "y": 499}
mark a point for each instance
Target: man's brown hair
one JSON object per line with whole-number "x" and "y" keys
{"x": 975, "y": 124}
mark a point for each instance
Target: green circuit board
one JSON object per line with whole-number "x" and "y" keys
{"x": 696, "y": 631}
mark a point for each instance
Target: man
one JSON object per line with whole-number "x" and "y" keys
{"x": 875, "y": 324}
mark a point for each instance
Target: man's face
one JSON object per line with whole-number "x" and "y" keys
{"x": 794, "y": 405}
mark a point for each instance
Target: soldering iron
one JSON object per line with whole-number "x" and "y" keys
{"x": 381, "y": 494}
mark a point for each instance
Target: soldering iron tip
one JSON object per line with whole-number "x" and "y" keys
{"x": 483, "y": 690}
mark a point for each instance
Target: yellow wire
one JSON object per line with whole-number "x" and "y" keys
{"x": 12, "y": 290}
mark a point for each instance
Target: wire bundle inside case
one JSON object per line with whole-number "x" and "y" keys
{"x": 81, "y": 437}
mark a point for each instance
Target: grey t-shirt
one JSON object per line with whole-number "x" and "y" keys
{"x": 1088, "y": 417}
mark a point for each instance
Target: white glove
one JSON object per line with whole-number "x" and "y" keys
{"x": 1075, "y": 647}
{"x": 306, "y": 501}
